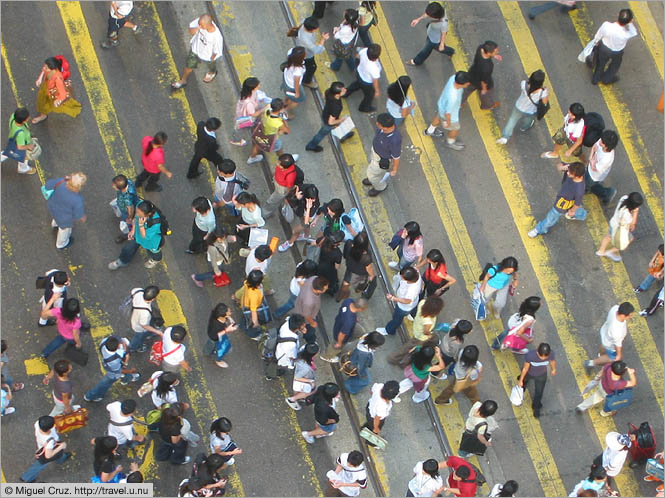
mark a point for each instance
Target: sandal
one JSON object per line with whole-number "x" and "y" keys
{"x": 410, "y": 62}
{"x": 549, "y": 155}
{"x": 177, "y": 85}
{"x": 209, "y": 77}
{"x": 17, "y": 386}
{"x": 38, "y": 119}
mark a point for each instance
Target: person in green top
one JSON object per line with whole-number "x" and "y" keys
{"x": 424, "y": 360}
{"x": 18, "y": 127}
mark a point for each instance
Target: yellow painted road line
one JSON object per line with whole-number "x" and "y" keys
{"x": 116, "y": 149}
{"x": 645, "y": 170}
{"x": 616, "y": 272}
{"x": 539, "y": 257}
{"x": 532, "y": 433}
{"x": 646, "y": 26}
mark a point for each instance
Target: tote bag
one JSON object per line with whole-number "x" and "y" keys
{"x": 470, "y": 442}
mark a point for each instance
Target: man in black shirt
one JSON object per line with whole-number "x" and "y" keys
{"x": 330, "y": 116}
{"x": 205, "y": 146}
{"x": 480, "y": 74}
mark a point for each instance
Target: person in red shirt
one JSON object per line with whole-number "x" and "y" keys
{"x": 462, "y": 479}
{"x": 284, "y": 179}
{"x": 436, "y": 277}
{"x": 152, "y": 157}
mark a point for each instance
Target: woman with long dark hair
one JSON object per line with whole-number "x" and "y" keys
{"x": 220, "y": 324}
{"x": 410, "y": 247}
{"x": 526, "y": 107}
{"x": 423, "y": 330}
{"x": 345, "y": 37}
{"x": 359, "y": 265}
{"x": 424, "y": 360}
{"x": 53, "y": 95}
{"x": 103, "y": 462}
{"x": 330, "y": 259}
{"x": 173, "y": 444}
{"x": 304, "y": 375}
{"x": 331, "y": 116}
{"x": 304, "y": 202}
{"x": 398, "y": 105}
{"x": 519, "y": 331}
{"x": 324, "y": 413}
{"x": 497, "y": 281}
{"x": 292, "y": 78}
{"x": 152, "y": 158}
{"x": 248, "y": 108}
{"x": 164, "y": 384}
{"x": 250, "y": 211}
{"x": 468, "y": 373}
{"x": 436, "y": 278}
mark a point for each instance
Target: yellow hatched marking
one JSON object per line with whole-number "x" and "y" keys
{"x": 646, "y": 26}
{"x": 36, "y": 366}
{"x": 450, "y": 214}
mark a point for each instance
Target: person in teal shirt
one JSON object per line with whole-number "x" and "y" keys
{"x": 497, "y": 281}
{"x": 18, "y": 127}
{"x": 147, "y": 233}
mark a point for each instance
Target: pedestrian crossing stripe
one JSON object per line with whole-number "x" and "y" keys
{"x": 648, "y": 30}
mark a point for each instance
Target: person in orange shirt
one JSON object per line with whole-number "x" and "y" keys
{"x": 656, "y": 271}
{"x": 53, "y": 96}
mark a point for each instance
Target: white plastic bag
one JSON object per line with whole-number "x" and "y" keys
{"x": 517, "y": 395}
{"x": 586, "y": 52}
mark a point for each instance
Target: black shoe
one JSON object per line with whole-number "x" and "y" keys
{"x": 85, "y": 324}
{"x": 536, "y": 412}
{"x": 373, "y": 192}
{"x": 369, "y": 109}
{"x": 318, "y": 148}
{"x": 366, "y": 182}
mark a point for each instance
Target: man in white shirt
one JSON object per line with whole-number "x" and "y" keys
{"x": 368, "y": 73}
{"x": 600, "y": 163}
{"x": 119, "y": 17}
{"x": 612, "y": 334}
{"x": 173, "y": 349}
{"x": 288, "y": 343}
{"x": 121, "y": 423}
{"x": 614, "y": 456}
{"x": 407, "y": 287}
{"x": 49, "y": 447}
{"x": 380, "y": 404}
{"x": 206, "y": 46}
{"x": 141, "y": 317}
{"x": 611, "y": 40}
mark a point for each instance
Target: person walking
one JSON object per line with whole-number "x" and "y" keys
{"x": 596, "y": 482}
{"x": 63, "y": 397}
{"x": 362, "y": 359}
{"x": 448, "y": 107}
{"x": 56, "y": 284}
{"x": 345, "y": 323}
{"x": 307, "y": 38}
{"x": 250, "y": 298}
{"x": 164, "y": 392}
{"x": 612, "y": 334}
{"x": 614, "y": 456}
{"x": 497, "y": 281}
{"x": 468, "y": 374}
{"x": 436, "y": 278}
{"x": 569, "y": 139}
{"x": 304, "y": 270}
{"x": 610, "y": 380}
{"x": 68, "y": 323}
{"x": 124, "y": 204}
{"x": 409, "y": 244}
{"x": 221, "y": 442}
{"x": 386, "y": 146}
{"x": 462, "y": 478}
{"x": 115, "y": 360}
{"x": 143, "y": 320}
{"x": 287, "y": 346}
{"x": 451, "y": 344}
{"x": 146, "y": 232}
{"x": 535, "y": 368}
{"x": 218, "y": 255}
{"x": 655, "y": 270}
{"x": 425, "y": 360}
{"x": 173, "y": 349}
{"x": 54, "y": 95}
{"x": 27, "y": 148}
{"x": 205, "y": 147}
{"x": 203, "y": 225}
{"x": 610, "y": 41}
{"x": 398, "y": 105}
{"x": 272, "y": 126}
{"x": 368, "y": 73}
{"x": 119, "y": 15}
{"x": 284, "y": 180}
{"x": 568, "y": 201}
{"x": 480, "y": 75}
{"x": 565, "y": 6}
{"x": 4, "y": 361}
{"x": 228, "y": 184}
{"x": 345, "y": 37}
{"x": 304, "y": 375}
{"x": 426, "y": 479}
{"x": 519, "y": 331}
{"x": 437, "y": 31}
{"x": 508, "y": 488}
{"x": 599, "y": 165}
{"x": 367, "y": 17}
{"x": 206, "y": 45}
{"x": 292, "y": 76}
{"x": 308, "y": 304}
{"x": 65, "y": 205}
{"x": 423, "y": 330}
{"x": 360, "y": 272}
{"x": 152, "y": 158}
{"x": 173, "y": 444}
{"x": 325, "y": 415}
{"x": 407, "y": 286}
{"x": 480, "y": 422}
{"x": 349, "y": 476}
{"x": 220, "y": 324}
{"x": 331, "y": 116}
{"x": 248, "y": 108}
{"x": 525, "y": 109}
{"x": 121, "y": 423}
{"x": 380, "y": 405}
{"x": 621, "y": 227}
{"x": 49, "y": 448}
{"x": 656, "y": 302}
{"x": 303, "y": 200}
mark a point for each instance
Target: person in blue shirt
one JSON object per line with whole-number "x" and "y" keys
{"x": 345, "y": 323}
{"x": 496, "y": 282}
{"x": 66, "y": 206}
{"x": 448, "y": 106}
{"x": 124, "y": 204}
{"x": 147, "y": 233}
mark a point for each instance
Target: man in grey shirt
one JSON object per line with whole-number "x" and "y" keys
{"x": 308, "y": 304}
{"x": 437, "y": 30}
{"x": 307, "y": 38}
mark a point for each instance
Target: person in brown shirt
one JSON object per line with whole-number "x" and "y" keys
{"x": 308, "y": 304}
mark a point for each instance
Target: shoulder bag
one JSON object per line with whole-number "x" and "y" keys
{"x": 157, "y": 352}
{"x": 541, "y": 107}
{"x": 265, "y": 143}
{"x": 70, "y": 421}
{"x": 470, "y": 442}
{"x": 618, "y": 399}
{"x": 47, "y": 193}
{"x": 12, "y": 150}
{"x": 344, "y": 50}
{"x": 346, "y": 366}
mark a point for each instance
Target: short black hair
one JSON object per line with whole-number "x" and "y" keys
{"x": 373, "y": 51}
{"x": 46, "y": 423}
{"x": 610, "y": 139}
{"x": 625, "y": 308}
{"x": 618, "y": 367}
{"x": 435, "y": 10}
{"x": 135, "y": 477}
{"x": 462, "y": 77}
{"x": 21, "y": 114}
{"x": 60, "y": 277}
{"x": 296, "y": 321}
{"x": 227, "y": 166}
{"x": 355, "y": 458}
{"x": 409, "y": 273}
{"x": 390, "y": 389}
{"x": 128, "y": 406}
{"x": 262, "y": 252}
{"x": 276, "y": 105}
{"x": 213, "y": 123}
{"x": 178, "y": 333}
{"x": 120, "y": 181}
{"x": 61, "y": 367}
{"x": 150, "y": 292}
{"x": 544, "y": 349}
{"x": 577, "y": 110}
{"x": 625, "y": 16}
{"x": 201, "y": 204}
{"x": 286, "y": 160}
{"x": 311, "y": 23}
{"x": 385, "y": 120}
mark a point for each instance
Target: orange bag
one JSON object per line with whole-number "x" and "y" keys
{"x": 71, "y": 421}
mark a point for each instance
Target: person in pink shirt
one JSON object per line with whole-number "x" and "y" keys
{"x": 152, "y": 157}
{"x": 68, "y": 323}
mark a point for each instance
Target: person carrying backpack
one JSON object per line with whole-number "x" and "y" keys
{"x": 148, "y": 232}
{"x": 280, "y": 348}
{"x": 115, "y": 358}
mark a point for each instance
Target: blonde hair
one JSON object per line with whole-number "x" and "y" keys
{"x": 76, "y": 181}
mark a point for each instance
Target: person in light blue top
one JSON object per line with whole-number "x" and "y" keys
{"x": 497, "y": 280}
{"x": 146, "y": 232}
{"x": 204, "y": 225}
{"x": 449, "y": 105}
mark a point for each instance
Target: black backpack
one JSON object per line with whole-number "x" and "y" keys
{"x": 595, "y": 125}
{"x": 300, "y": 176}
{"x": 164, "y": 227}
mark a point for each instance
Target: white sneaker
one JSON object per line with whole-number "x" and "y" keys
{"x": 382, "y": 331}
{"x": 533, "y": 233}
{"x": 394, "y": 265}
{"x": 307, "y": 437}
{"x": 293, "y": 404}
{"x": 231, "y": 461}
{"x": 397, "y": 400}
{"x": 440, "y": 376}
{"x": 613, "y": 256}
{"x": 284, "y": 246}
{"x": 114, "y": 265}
{"x": 3, "y": 158}
{"x": 327, "y": 434}
{"x": 151, "y": 263}
{"x": 502, "y": 141}
{"x": 9, "y": 411}
{"x": 254, "y": 159}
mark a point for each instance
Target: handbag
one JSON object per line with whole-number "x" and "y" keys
{"x": 224, "y": 348}
{"x": 264, "y": 142}
{"x": 621, "y": 237}
{"x": 287, "y": 212}
{"x": 586, "y": 52}
{"x": 654, "y": 468}
{"x": 71, "y": 421}
{"x": 346, "y": 366}
{"x": 145, "y": 388}
{"x": 541, "y": 107}
{"x": 368, "y": 291}
{"x": 157, "y": 353}
{"x": 344, "y": 50}
{"x": 396, "y": 240}
{"x": 470, "y": 442}
{"x": 47, "y": 193}
{"x": 222, "y": 280}
{"x": 517, "y": 395}
{"x": 33, "y": 155}
{"x": 78, "y": 356}
{"x": 12, "y": 150}
{"x": 244, "y": 122}
{"x": 263, "y": 312}
{"x": 620, "y": 398}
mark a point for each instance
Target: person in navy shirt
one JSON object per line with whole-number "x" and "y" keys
{"x": 345, "y": 323}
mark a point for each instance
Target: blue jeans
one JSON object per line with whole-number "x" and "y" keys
{"x": 646, "y": 283}
{"x": 396, "y": 320}
{"x": 55, "y": 344}
{"x": 525, "y": 120}
{"x": 287, "y": 306}
{"x": 129, "y": 250}
{"x": 337, "y": 63}
{"x": 553, "y": 216}
{"x": 363, "y": 33}
{"x": 102, "y": 387}
{"x": 496, "y": 344}
{"x": 427, "y": 50}
{"x": 323, "y": 131}
{"x": 137, "y": 340}
{"x": 207, "y": 275}
{"x": 33, "y": 471}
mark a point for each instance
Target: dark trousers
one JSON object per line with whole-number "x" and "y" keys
{"x": 654, "y": 304}
{"x": 114, "y": 27}
{"x": 129, "y": 250}
{"x": 319, "y": 9}
{"x": 363, "y": 33}
{"x": 540, "y": 382}
{"x": 198, "y": 243}
{"x": 193, "y": 170}
{"x": 243, "y": 235}
{"x": 602, "y": 56}
{"x": 368, "y": 93}
{"x": 486, "y": 100}
{"x": 174, "y": 453}
{"x": 310, "y": 335}
{"x": 310, "y": 69}
{"x": 427, "y": 50}
{"x": 370, "y": 420}
{"x": 598, "y": 189}
{"x": 151, "y": 180}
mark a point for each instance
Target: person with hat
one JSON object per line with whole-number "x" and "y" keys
{"x": 614, "y": 456}
{"x": 386, "y": 146}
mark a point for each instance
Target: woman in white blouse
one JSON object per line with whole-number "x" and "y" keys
{"x": 526, "y": 106}
{"x": 250, "y": 211}
{"x": 292, "y": 78}
{"x": 569, "y": 138}
{"x": 345, "y": 37}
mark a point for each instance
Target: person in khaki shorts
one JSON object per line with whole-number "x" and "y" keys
{"x": 386, "y": 146}
{"x": 468, "y": 373}
{"x": 205, "y": 46}
{"x": 448, "y": 107}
